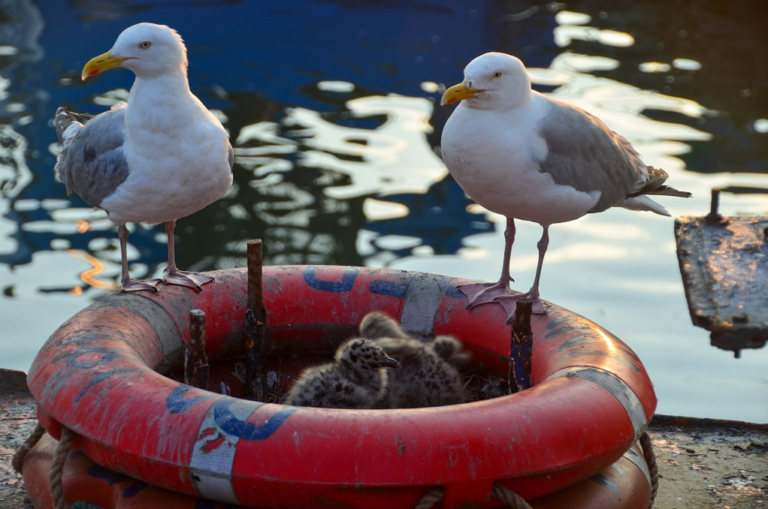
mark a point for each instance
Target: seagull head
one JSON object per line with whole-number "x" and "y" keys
{"x": 363, "y": 355}
{"x": 146, "y": 49}
{"x": 493, "y": 81}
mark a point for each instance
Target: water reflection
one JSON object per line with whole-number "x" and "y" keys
{"x": 336, "y": 136}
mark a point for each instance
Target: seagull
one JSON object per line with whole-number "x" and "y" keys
{"x": 356, "y": 378}
{"x": 157, "y": 158}
{"x": 428, "y": 376}
{"x": 527, "y": 156}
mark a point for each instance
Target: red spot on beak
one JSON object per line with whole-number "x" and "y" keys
{"x": 94, "y": 72}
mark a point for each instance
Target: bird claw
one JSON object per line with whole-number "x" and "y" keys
{"x": 483, "y": 293}
{"x": 193, "y": 280}
{"x": 136, "y": 285}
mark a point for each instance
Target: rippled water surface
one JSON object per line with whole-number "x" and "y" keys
{"x": 332, "y": 107}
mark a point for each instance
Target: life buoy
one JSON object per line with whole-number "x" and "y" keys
{"x": 624, "y": 485}
{"x": 101, "y": 375}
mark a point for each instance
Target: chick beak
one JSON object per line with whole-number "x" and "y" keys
{"x": 389, "y": 362}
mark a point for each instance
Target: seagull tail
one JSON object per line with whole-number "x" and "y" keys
{"x": 643, "y": 203}
{"x": 654, "y": 185}
{"x": 670, "y": 191}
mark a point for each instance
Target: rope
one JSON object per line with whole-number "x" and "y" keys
{"x": 509, "y": 497}
{"x": 29, "y": 443}
{"x": 653, "y": 469}
{"x": 505, "y": 495}
{"x": 57, "y": 468}
{"x": 430, "y": 499}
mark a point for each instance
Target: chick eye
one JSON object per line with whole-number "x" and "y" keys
{"x": 497, "y": 74}
{"x": 145, "y": 45}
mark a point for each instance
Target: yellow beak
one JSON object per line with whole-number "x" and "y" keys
{"x": 456, "y": 93}
{"x": 100, "y": 63}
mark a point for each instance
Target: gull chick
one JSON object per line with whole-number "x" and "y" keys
{"x": 356, "y": 378}
{"x": 429, "y": 375}
{"x": 158, "y": 158}
{"x": 527, "y": 156}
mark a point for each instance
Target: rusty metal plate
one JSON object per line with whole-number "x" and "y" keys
{"x": 724, "y": 264}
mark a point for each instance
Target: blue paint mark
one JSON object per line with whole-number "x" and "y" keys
{"x": 556, "y": 322}
{"x": 581, "y": 340}
{"x": 232, "y": 425}
{"x": 566, "y": 328}
{"x": 100, "y": 377}
{"x": 175, "y": 402}
{"x": 105, "y": 474}
{"x": 579, "y": 353}
{"x": 107, "y": 356}
{"x": 627, "y": 351}
{"x": 603, "y": 481}
{"x": 134, "y": 489}
{"x": 343, "y": 286}
{"x": 387, "y": 288}
{"x": 454, "y": 292}
{"x": 75, "y": 455}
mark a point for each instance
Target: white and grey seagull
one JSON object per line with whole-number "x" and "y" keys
{"x": 526, "y": 156}
{"x": 158, "y": 158}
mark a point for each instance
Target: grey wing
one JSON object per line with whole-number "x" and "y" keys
{"x": 586, "y": 154}
{"x": 92, "y": 164}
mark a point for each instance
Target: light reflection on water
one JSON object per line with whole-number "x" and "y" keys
{"x": 349, "y": 174}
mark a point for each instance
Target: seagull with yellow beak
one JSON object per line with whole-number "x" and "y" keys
{"x": 527, "y": 156}
{"x": 157, "y": 158}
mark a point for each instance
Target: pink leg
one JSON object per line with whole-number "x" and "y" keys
{"x": 126, "y": 283}
{"x": 509, "y": 302}
{"x": 178, "y": 277}
{"x": 481, "y": 293}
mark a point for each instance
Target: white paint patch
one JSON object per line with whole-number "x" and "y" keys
{"x": 214, "y": 454}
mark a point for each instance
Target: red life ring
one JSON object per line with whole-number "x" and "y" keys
{"x": 101, "y": 375}
{"x": 625, "y": 484}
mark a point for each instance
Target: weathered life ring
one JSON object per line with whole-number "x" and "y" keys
{"x": 625, "y": 484}
{"x": 101, "y": 376}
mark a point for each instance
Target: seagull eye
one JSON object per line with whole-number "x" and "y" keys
{"x": 145, "y": 45}
{"x": 497, "y": 74}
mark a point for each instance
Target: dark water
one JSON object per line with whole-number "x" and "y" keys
{"x": 331, "y": 106}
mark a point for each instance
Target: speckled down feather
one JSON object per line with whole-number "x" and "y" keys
{"x": 356, "y": 378}
{"x": 428, "y": 376}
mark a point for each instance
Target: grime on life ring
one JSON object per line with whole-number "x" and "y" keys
{"x": 102, "y": 375}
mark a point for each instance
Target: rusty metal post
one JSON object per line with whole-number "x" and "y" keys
{"x": 255, "y": 325}
{"x": 196, "y": 367}
{"x": 714, "y": 215}
{"x": 521, "y": 347}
